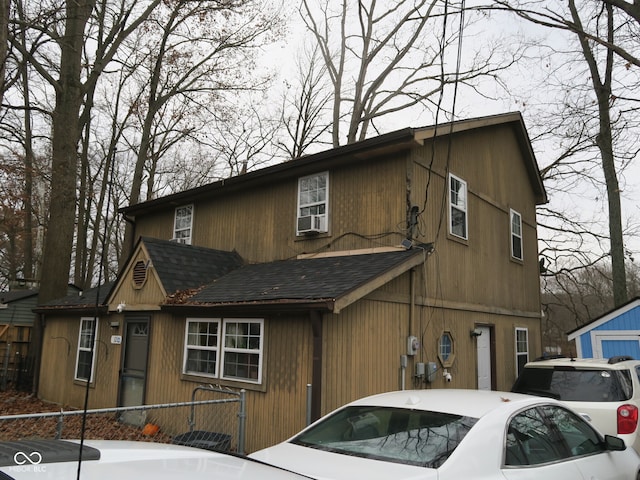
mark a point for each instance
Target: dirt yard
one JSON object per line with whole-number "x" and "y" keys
{"x": 104, "y": 426}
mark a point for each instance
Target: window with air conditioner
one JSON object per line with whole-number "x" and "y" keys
{"x": 182, "y": 224}
{"x": 313, "y": 204}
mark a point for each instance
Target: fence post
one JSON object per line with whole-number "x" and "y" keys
{"x": 242, "y": 422}
{"x": 59, "y": 426}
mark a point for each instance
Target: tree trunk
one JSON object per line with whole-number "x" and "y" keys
{"x": 69, "y": 92}
{"x": 604, "y": 141}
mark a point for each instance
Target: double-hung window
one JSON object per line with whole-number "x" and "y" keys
{"x": 228, "y": 349}
{"x": 313, "y": 203}
{"x": 85, "y": 357}
{"x": 457, "y": 207}
{"x": 522, "y": 349}
{"x": 182, "y": 224}
{"x": 516, "y": 235}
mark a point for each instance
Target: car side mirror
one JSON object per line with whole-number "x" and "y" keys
{"x": 615, "y": 444}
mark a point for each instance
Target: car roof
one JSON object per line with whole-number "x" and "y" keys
{"x": 470, "y": 403}
{"x": 617, "y": 363}
{"x": 129, "y": 460}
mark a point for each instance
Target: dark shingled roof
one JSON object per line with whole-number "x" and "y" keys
{"x": 18, "y": 294}
{"x": 83, "y": 299}
{"x": 325, "y": 278}
{"x": 182, "y": 267}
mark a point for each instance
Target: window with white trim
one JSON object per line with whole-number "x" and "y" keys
{"x": 313, "y": 203}
{"x": 86, "y": 354}
{"x": 224, "y": 348}
{"x": 445, "y": 349}
{"x": 522, "y": 349}
{"x": 457, "y": 207}
{"x": 182, "y": 224}
{"x": 516, "y": 235}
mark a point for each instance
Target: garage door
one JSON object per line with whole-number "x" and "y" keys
{"x": 612, "y": 345}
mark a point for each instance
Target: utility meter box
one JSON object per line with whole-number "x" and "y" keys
{"x": 430, "y": 376}
{"x": 412, "y": 345}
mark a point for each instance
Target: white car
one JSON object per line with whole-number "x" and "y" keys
{"x": 453, "y": 435}
{"x": 606, "y": 391}
{"x": 126, "y": 460}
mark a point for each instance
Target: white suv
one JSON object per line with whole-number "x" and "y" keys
{"x": 605, "y": 391}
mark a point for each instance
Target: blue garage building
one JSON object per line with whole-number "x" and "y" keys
{"x": 614, "y": 333}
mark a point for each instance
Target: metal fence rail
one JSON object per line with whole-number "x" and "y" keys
{"x": 219, "y": 425}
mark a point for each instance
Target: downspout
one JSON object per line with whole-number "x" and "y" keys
{"x": 316, "y": 370}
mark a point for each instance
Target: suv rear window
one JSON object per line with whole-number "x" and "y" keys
{"x": 572, "y": 385}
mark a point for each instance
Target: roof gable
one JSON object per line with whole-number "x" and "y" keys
{"x": 633, "y": 306}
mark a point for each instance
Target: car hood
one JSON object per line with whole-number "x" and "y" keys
{"x": 323, "y": 465}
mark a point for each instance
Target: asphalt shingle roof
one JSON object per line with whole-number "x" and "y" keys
{"x": 304, "y": 279}
{"x": 86, "y": 298}
{"x": 182, "y": 267}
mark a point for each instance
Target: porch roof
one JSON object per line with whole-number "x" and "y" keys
{"x": 329, "y": 282}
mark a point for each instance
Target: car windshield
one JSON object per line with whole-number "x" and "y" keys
{"x": 398, "y": 435}
{"x": 570, "y": 384}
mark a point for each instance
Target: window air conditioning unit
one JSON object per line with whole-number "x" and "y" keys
{"x": 312, "y": 224}
{"x": 179, "y": 240}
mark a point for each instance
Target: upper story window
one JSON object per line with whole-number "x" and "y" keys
{"x": 85, "y": 356}
{"x": 516, "y": 235}
{"x": 313, "y": 203}
{"x": 224, "y": 348}
{"x": 182, "y": 224}
{"x": 457, "y": 207}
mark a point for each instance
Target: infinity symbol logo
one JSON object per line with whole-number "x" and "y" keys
{"x": 34, "y": 458}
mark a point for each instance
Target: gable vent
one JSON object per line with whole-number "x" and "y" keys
{"x": 139, "y": 273}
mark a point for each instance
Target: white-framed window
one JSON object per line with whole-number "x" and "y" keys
{"x": 313, "y": 203}
{"x": 229, "y": 348}
{"x": 86, "y": 354}
{"x": 457, "y": 207}
{"x": 446, "y": 352}
{"x": 182, "y": 224}
{"x": 516, "y": 235}
{"x": 522, "y": 349}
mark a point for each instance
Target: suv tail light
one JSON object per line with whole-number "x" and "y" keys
{"x": 627, "y": 419}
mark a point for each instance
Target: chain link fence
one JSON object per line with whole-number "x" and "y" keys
{"x": 214, "y": 419}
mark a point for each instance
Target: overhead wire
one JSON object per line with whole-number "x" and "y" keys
{"x": 445, "y": 190}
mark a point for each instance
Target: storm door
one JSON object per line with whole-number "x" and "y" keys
{"x": 133, "y": 373}
{"x": 484, "y": 356}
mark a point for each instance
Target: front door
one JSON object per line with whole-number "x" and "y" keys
{"x": 133, "y": 373}
{"x": 483, "y": 346}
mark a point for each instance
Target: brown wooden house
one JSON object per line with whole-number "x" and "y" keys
{"x": 407, "y": 260}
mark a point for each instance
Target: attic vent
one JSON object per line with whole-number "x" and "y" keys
{"x": 139, "y": 273}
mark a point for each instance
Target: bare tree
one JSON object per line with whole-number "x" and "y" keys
{"x": 598, "y": 28}
{"x": 304, "y": 103}
{"x": 4, "y": 33}
{"x": 194, "y": 72}
{"x": 386, "y": 58}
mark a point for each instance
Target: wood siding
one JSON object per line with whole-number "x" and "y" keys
{"x": 462, "y": 285}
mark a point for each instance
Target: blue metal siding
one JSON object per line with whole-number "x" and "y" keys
{"x": 629, "y": 320}
{"x": 612, "y": 348}
{"x": 585, "y": 343}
